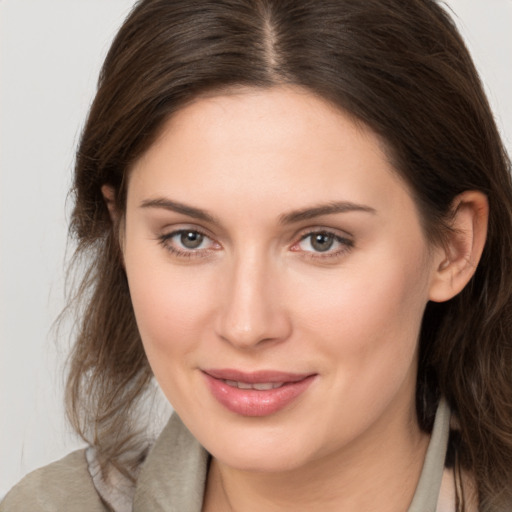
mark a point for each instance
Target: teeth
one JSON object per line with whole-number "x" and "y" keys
{"x": 260, "y": 386}
{"x": 267, "y": 385}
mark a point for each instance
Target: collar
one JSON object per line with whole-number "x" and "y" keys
{"x": 427, "y": 492}
{"x": 173, "y": 476}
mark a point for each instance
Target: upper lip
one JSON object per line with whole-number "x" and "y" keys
{"x": 261, "y": 376}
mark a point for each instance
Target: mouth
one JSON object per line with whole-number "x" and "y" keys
{"x": 260, "y": 386}
{"x": 256, "y": 393}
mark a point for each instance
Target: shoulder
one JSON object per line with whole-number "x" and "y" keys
{"x": 62, "y": 485}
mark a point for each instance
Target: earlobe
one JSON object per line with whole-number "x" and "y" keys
{"x": 109, "y": 196}
{"x": 457, "y": 260}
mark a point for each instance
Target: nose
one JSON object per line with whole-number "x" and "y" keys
{"x": 252, "y": 309}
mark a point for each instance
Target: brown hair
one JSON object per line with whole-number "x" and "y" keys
{"x": 400, "y": 67}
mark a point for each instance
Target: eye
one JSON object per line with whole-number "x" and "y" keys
{"x": 190, "y": 239}
{"x": 323, "y": 243}
{"x": 319, "y": 242}
{"x": 188, "y": 242}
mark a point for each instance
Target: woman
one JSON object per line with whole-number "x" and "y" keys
{"x": 298, "y": 219}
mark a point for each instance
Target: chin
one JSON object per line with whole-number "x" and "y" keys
{"x": 257, "y": 460}
{"x": 259, "y": 449}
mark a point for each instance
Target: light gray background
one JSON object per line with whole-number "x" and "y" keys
{"x": 50, "y": 54}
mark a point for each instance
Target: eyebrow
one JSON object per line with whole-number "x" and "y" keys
{"x": 324, "y": 209}
{"x": 287, "y": 218}
{"x": 175, "y": 206}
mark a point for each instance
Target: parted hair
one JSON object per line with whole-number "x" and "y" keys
{"x": 398, "y": 66}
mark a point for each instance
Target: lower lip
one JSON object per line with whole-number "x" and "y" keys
{"x": 253, "y": 402}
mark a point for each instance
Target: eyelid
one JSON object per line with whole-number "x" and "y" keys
{"x": 168, "y": 229}
{"x": 339, "y": 233}
{"x": 165, "y": 239}
{"x": 345, "y": 239}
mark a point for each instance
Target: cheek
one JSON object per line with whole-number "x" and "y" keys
{"x": 170, "y": 304}
{"x": 366, "y": 320}
{"x": 171, "y": 310}
{"x": 389, "y": 291}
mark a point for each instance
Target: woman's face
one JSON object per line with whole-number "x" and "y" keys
{"x": 279, "y": 274}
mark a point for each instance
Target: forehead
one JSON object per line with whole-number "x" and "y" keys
{"x": 249, "y": 119}
{"x": 278, "y": 148}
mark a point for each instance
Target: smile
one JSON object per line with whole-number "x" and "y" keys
{"x": 258, "y": 393}
{"x": 260, "y": 386}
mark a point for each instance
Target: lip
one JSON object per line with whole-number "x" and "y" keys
{"x": 253, "y": 402}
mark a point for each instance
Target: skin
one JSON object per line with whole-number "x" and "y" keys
{"x": 256, "y": 294}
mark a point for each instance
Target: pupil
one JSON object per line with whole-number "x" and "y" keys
{"x": 191, "y": 239}
{"x": 322, "y": 242}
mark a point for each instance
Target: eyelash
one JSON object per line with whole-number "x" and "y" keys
{"x": 166, "y": 242}
{"x": 346, "y": 245}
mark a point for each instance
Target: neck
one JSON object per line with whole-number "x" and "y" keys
{"x": 379, "y": 471}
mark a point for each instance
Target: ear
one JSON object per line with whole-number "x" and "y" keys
{"x": 109, "y": 196}
{"x": 457, "y": 259}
